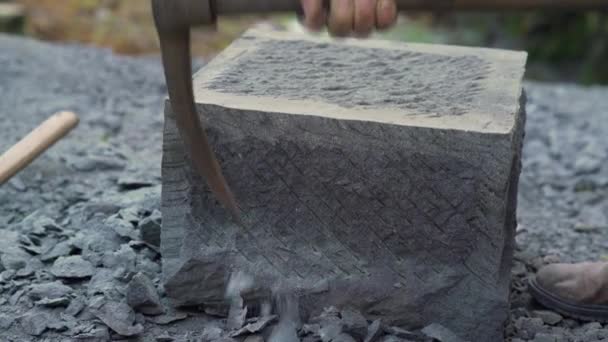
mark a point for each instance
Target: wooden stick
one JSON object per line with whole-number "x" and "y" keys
{"x": 35, "y": 143}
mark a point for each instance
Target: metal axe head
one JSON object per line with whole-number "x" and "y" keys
{"x": 173, "y": 19}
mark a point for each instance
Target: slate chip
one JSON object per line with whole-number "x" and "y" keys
{"x": 34, "y": 323}
{"x": 343, "y": 337}
{"x": 149, "y": 229}
{"x": 55, "y": 302}
{"x": 548, "y": 317}
{"x": 122, "y": 227}
{"x": 441, "y": 333}
{"x": 401, "y": 333}
{"x": 117, "y": 316}
{"x": 96, "y": 334}
{"x": 212, "y": 333}
{"x": 75, "y": 307}
{"x": 50, "y": 290}
{"x": 164, "y": 338}
{"x": 6, "y": 321}
{"x": 63, "y": 248}
{"x": 257, "y": 325}
{"x": 131, "y": 215}
{"x": 374, "y": 331}
{"x": 72, "y": 267}
{"x": 142, "y": 296}
{"x": 354, "y": 323}
{"x": 168, "y": 318}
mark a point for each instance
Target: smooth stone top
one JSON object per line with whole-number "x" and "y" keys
{"x": 422, "y": 85}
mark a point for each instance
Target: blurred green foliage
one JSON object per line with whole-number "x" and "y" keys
{"x": 577, "y": 42}
{"x": 567, "y": 46}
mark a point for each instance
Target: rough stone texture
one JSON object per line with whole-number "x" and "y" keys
{"x": 399, "y": 195}
{"x": 142, "y": 296}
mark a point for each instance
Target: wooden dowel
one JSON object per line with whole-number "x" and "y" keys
{"x": 35, "y": 143}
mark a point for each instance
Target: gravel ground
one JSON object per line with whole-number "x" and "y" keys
{"x": 79, "y": 227}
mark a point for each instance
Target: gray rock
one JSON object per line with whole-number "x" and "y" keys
{"x": 96, "y": 334}
{"x": 168, "y": 318}
{"x": 343, "y": 337}
{"x": 329, "y": 160}
{"x": 63, "y": 248}
{"x": 310, "y": 328}
{"x": 330, "y": 329}
{"x": 15, "y": 297}
{"x": 125, "y": 257}
{"x": 6, "y": 321}
{"x": 75, "y": 307}
{"x": 51, "y": 290}
{"x": 18, "y": 184}
{"x": 14, "y": 258}
{"x": 104, "y": 283}
{"x": 133, "y": 182}
{"x": 164, "y": 338}
{"x": 587, "y": 164}
{"x": 72, "y": 267}
{"x": 255, "y": 326}
{"x": 55, "y": 302}
{"x": 594, "y": 334}
{"x": 31, "y": 266}
{"x": 285, "y": 331}
{"x": 354, "y": 323}
{"x": 591, "y": 326}
{"x": 149, "y": 229}
{"x": 401, "y": 333}
{"x": 117, "y": 316}
{"x": 544, "y": 338}
{"x": 122, "y": 227}
{"x": 34, "y": 323}
{"x": 142, "y": 296}
{"x": 254, "y": 338}
{"x": 527, "y": 328}
{"x": 374, "y": 331}
{"x": 7, "y": 275}
{"x": 131, "y": 215}
{"x": 212, "y": 333}
{"x": 548, "y": 317}
{"x": 441, "y": 333}
{"x": 391, "y": 338}
{"x": 96, "y": 163}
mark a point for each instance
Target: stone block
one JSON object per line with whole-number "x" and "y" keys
{"x": 375, "y": 175}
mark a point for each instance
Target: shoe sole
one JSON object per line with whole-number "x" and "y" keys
{"x": 591, "y": 313}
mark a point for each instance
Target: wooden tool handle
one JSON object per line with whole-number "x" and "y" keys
{"x": 235, "y": 7}
{"x": 35, "y": 143}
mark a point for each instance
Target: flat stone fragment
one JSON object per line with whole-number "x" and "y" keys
{"x": 6, "y": 321}
{"x": 35, "y": 323}
{"x": 72, "y": 267}
{"x": 149, "y": 229}
{"x": 354, "y": 323}
{"x": 117, "y": 316}
{"x": 142, "y": 296}
{"x": 441, "y": 333}
{"x": 548, "y": 317}
{"x": 386, "y": 171}
{"x": 50, "y": 290}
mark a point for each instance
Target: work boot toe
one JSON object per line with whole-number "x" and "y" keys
{"x": 579, "y": 290}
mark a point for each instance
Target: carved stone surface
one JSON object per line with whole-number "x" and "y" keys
{"x": 375, "y": 175}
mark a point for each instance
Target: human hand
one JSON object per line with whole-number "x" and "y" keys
{"x": 349, "y": 17}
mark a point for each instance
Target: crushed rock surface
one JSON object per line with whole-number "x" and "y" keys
{"x": 92, "y": 202}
